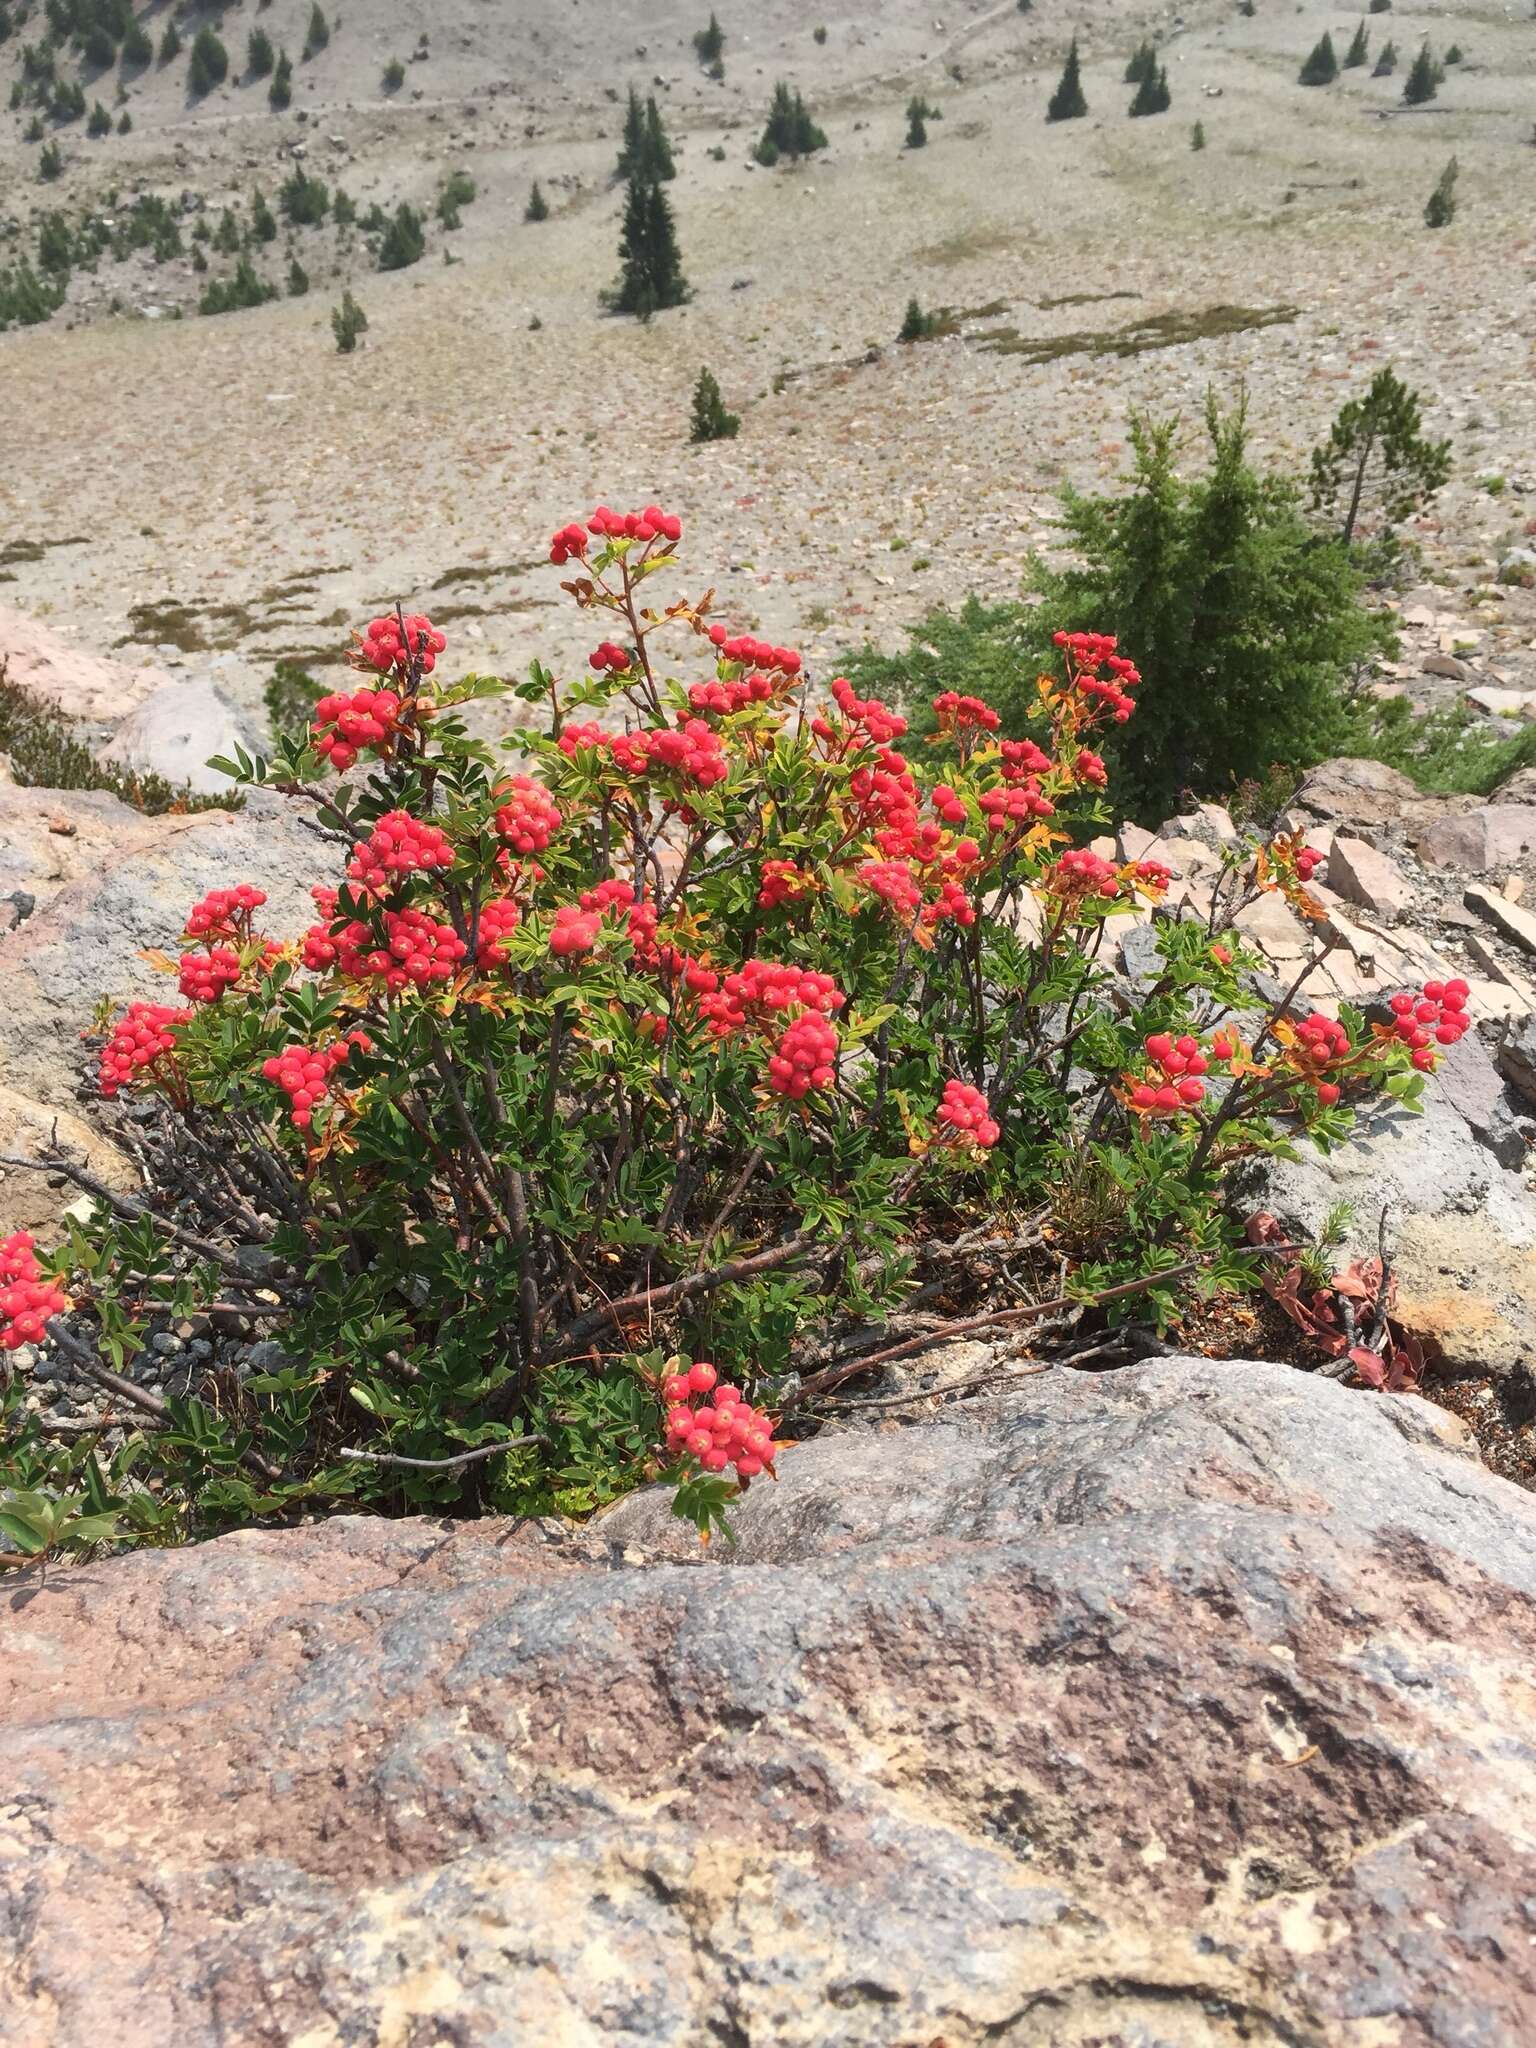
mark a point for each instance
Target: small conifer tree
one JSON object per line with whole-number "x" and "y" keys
{"x": 50, "y": 163}
{"x": 138, "y": 50}
{"x": 170, "y": 44}
{"x": 711, "y": 421}
{"x": 1197, "y": 136}
{"x": 1359, "y": 48}
{"x": 1453, "y": 54}
{"x": 1422, "y": 82}
{"x": 125, "y": 123}
{"x": 348, "y": 323}
{"x": 917, "y": 130}
{"x": 1068, "y": 102}
{"x": 1377, "y": 458}
{"x": 1143, "y": 63}
{"x": 304, "y": 200}
{"x": 298, "y": 279}
{"x": 1322, "y": 66}
{"x": 280, "y": 91}
{"x": 1386, "y": 63}
{"x": 404, "y": 242}
{"x": 916, "y": 325}
{"x": 318, "y": 33}
{"x": 263, "y": 220}
{"x": 1152, "y": 95}
{"x": 100, "y": 122}
{"x": 650, "y": 267}
{"x": 789, "y": 130}
{"x": 538, "y": 206}
{"x": 709, "y": 44}
{"x": 1381, "y": 6}
{"x": 394, "y": 75}
{"x": 259, "y": 54}
{"x": 210, "y": 63}
{"x": 1440, "y": 208}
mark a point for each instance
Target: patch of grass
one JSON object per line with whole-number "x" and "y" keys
{"x": 44, "y": 754}
{"x": 1160, "y": 330}
{"x": 1447, "y": 752}
{"x": 964, "y": 247}
{"x": 482, "y": 572}
{"x": 34, "y": 550}
{"x": 1082, "y": 299}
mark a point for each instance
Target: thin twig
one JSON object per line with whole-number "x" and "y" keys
{"x": 512, "y": 1443}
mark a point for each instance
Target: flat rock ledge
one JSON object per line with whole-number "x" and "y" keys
{"x": 1187, "y": 1704}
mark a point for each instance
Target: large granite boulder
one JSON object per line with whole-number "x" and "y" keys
{"x": 1185, "y": 1707}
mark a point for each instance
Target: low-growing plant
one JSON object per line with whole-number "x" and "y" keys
{"x": 349, "y": 323}
{"x": 243, "y": 289}
{"x": 614, "y": 1085}
{"x": 40, "y": 744}
{"x": 1440, "y": 207}
{"x": 403, "y": 242}
{"x": 537, "y": 208}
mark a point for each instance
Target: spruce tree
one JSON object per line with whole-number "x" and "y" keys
{"x": 1440, "y": 209}
{"x": 348, "y": 321}
{"x": 538, "y": 206}
{"x": 259, "y": 54}
{"x": 1322, "y": 66}
{"x": 1197, "y": 136}
{"x": 280, "y": 91}
{"x": 650, "y": 274}
{"x": 1152, "y": 95}
{"x": 1453, "y": 54}
{"x": 1067, "y": 101}
{"x": 917, "y": 131}
{"x": 658, "y": 150}
{"x": 711, "y": 421}
{"x": 138, "y": 50}
{"x": 100, "y": 122}
{"x": 1422, "y": 82}
{"x": 1386, "y": 63}
{"x": 317, "y": 35}
{"x": 210, "y": 63}
{"x": 403, "y": 243}
{"x": 1142, "y": 64}
{"x": 709, "y": 44}
{"x": 263, "y": 220}
{"x": 789, "y": 130}
{"x": 1381, "y": 6}
{"x": 50, "y": 163}
{"x": 1359, "y": 49}
{"x": 916, "y": 325}
{"x": 170, "y": 44}
{"x": 298, "y": 279}
{"x": 1377, "y": 459}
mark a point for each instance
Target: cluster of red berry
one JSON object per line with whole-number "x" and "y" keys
{"x": 347, "y": 724}
{"x": 398, "y": 845}
{"x": 1173, "y": 1082}
{"x": 715, "y": 1425}
{"x": 203, "y": 977}
{"x": 805, "y": 1058}
{"x": 691, "y": 751}
{"x": 141, "y": 1037}
{"x": 868, "y": 719}
{"x": 756, "y": 653}
{"x": 418, "y": 950}
{"x": 225, "y": 913}
{"x": 1155, "y": 878}
{"x": 781, "y": 881}
{"x": 1308, "y": 861}
{"x": 651, "y": 524}
{"x": 763, "y": 990}
{"x": 957, "y": 714}
{"x": 1089, "y": 653}
{"x": 962, "y": 1117}
{"x": 1437, "y": 1015}
{"x": 386, "y": 644}
{"x": 304, "y": 1073}
{"x": 894, "y": 883}
{"x": 1081, "y": 872}
{"x": 569, "y": 540}
{"x": 1022, "y": 761}
{"x": 724, "y": 698}
{"x": 608, "y": 654}
{"x": 529, "y": 817}
{"x": 498, "y": 920}
{"x": 27, "y": 1300}
{"x": 1320, "y": 1041}
{"x": 1089, "y": 767}
{"x": 1015, "y": 806}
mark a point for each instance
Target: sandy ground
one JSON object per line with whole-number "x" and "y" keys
{"x": 240, "y": 461}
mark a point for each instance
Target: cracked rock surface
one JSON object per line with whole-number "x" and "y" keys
{"x": 1187, "y": 1704}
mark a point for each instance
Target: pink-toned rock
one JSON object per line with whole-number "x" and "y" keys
{"x": 36, "y": 1201}
{"x": 1364, "y": 876}
{"x": 1479, "y": 840}
{"x": 84, "y": 686}
{"x": 1097, "y": 1714}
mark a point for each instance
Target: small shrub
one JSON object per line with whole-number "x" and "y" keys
{"x": 298, "y": 279}
{"x": 263, "y": 220}
{"x": 50, "y": 163}
{"x": 917, "y": 128}
{"x": 170, "y": 43}
{"x": 818, "y": 35}
{"x": 291, "y": 694}
{"x": 280, "y": 91}
{"x": 916, "y": 325}
{"x": 538, "y": 206}
{"x": 1453, "y": 54}
{"x": 1386, "y": 63}
{"x": 588, "y": 1075}
{"x": 394, "y": 75}
{"x": 305, "y": 201}
{"x": 1380, "y": 6}
{"x": 711, "y": 421}
{"x": 44, "y": 754}
{"x": 709, "y": 43}
{"x": 125, "y": 123}
{"x": 349, "y": 323}
{"x": 27, "y": 300}
{"x": 459, "y": 189}
{"x": 1197, "y": 136}
{"x": 237, "y": 293}
{"x": 260, "y": 57}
